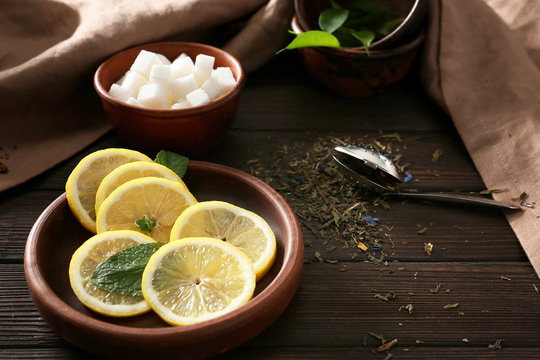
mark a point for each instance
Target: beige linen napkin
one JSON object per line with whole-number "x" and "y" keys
{"x": 482, "y": 64}
{"x": 50, "y": 48}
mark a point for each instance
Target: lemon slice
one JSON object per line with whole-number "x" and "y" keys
{"x": 84, "y": 180}
{"x": 197, "y": 279}
{"x": 130, "y": 171}
{"x": 83, "y": 263}
{"x": 157, "y": 201}
{"x": 237, "y": 226}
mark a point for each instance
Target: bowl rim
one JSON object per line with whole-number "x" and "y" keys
{"x": 105, "y": 96}
{"x": 292, "y": 265}
{"x": 361, "y": 51}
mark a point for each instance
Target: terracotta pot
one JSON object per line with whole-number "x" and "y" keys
{"x": 192, "y": 131}
{"x": 351, "y": 72}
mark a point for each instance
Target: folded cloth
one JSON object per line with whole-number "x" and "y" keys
{"x": 482, "y": 64}
{"x": 51, "y": 47}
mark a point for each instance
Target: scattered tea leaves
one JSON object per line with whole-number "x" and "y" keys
{"x": 451, "y": 306}
{"x": 496, "y": 346}
{"x": 408, "y": 177}
{"x": 436, "y": 289}
{"x": 505, "y": 278}
{"x": 422, "y": 231}
{"x": 436, "y": 155}
{"x": 379, "y": 337}
{"x": 389, "y": 296}
{"x": 428, "y": 248}
{"x": 409, "y": 308}
{"x": 387, "y": 346}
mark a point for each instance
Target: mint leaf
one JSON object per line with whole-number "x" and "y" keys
{"x": 122, "y": 272}
{"x": 365, "y": 37}
{"x": 332, "y": 19}
{"x": 145, "y": 224}
{"x": 312, "y": 38}
{"x": 173, "y": 161}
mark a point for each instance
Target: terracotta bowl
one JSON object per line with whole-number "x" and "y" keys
{"x": 351, "y": 72}
{"x": 192, "y": 131}
{"x": 412, "y": 12}
{"x": 57, "y": 234}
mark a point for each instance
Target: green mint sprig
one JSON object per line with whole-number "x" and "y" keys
{"x": 122, "y": 272}
{"x": 175, "y": 162}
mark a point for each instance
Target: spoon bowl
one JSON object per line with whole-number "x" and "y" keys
{"x": 376, "y": 171}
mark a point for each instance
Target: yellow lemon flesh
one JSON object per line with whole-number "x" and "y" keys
{"x": 197, "y": 279}
{"x": 84, "y": 180}
{"x": 130, "y": 171}
{"x": 83, "y": 263}
{"x": 237, "y": 226}
{"x": 158, "y": 200}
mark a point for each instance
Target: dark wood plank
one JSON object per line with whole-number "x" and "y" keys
{"x": 282, "y": 96}
{"x": 490, "y": 308}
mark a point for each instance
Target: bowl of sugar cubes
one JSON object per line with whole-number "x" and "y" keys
{"x": 176, "y": 96}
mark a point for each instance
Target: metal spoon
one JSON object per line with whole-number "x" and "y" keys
{"x": 376, "y": 171}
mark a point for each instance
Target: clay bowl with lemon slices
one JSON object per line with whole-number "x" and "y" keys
{"x": 57, "y": 234}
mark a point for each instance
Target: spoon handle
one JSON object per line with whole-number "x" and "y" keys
{"x": 454, "y": 198}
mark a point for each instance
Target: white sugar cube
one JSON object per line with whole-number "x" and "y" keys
{"x": 121, "y": 80}
{"x": 201, "y": 74}
{"x": 133, "y": 101}
{"x": 225, "y": 77}
{"x": 212, "y": 88}
{"x": 182, "y": 66}
{"x": 204, "y": 61}
{"x": 154, "y": 95}
{"x": 144, "y": 61}
{"x": 182, "y": 55}
{"x": 164, "y": 59}
{"x": 223, "y": 72}
{"x": 198, "y": 97}
{"x": 181, "y": 104}
{"x": 182, "y": 86}
{"x": 133, "y": 82}
{"x": 119, "y": 92}
{"x": 160, "y": 73}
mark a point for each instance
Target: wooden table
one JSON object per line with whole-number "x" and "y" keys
{"x": 476, "y": 261}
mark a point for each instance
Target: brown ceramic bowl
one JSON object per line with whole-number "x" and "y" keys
{"x": 411, "y": 11}
{"x": 57, "y": 234}
{"x": 351, "y": 72}
{"x": 192, "y": 131}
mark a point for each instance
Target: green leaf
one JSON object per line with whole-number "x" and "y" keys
{"x": 173, "y": 161}
{"x": 365, "y": 37}
{"x": 145, "y": 224}
{"x": 122, "y": 272}
{"x": 383, "y": 22}
{"x": 331, "y": 19}
{"x": 312, "y": 38}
